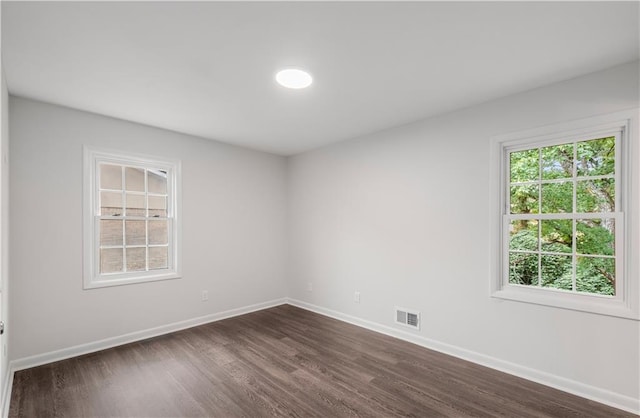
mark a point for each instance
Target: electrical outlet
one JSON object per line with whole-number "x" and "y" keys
{"x": 309, "y": 287}
{"x": 356, "y": 297}
{"x": 205, "y": 295}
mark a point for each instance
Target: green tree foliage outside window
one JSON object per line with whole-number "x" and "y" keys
{"x": 574, "y": 185}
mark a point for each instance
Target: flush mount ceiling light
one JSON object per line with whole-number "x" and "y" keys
{"x": 294, "y": 78}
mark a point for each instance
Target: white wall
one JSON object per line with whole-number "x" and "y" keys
{"x": 4, "y": 229}
{"x": 233, "y": 234}
{"x": 403, "y": 217}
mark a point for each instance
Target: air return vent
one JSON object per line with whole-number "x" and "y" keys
{"x": 408, "y": 318}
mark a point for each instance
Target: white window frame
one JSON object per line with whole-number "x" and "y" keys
{"x": 92, "y": 278}
{"x": 625, "y": 302}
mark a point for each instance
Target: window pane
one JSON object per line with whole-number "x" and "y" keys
{"x": 524, "y": 199}
{"x": 523, "y": 235}
{"x": 158, "y": 258}
{"x": 596, "y": 275}
{"x": 596, "y": 196}
{"x": 111, "y": 203}
{"x": 557, "y": 162}
{"x": 158, "y": 232}
{"x": 134, "y": 179}
{"x": 596, "y": 157}
{"x": 110, "y": 260}
{"x": 557, "y": 197}
{"x": 135, "y": 233}
{"x": 524, "y": 165}
{"x": 557, "y": 271}
{"x": 523, "y": 269}
{"x": 157, "y": 181}
{"x": 110, "y": 232}
{"x": 157, "y": 206}
{"x": 595, "y": 236}
{"x": 135, "y": 205}
{"x": 136, "y": 259}
{"x": 557, "y": 236}
{"x": 110, "y": 177}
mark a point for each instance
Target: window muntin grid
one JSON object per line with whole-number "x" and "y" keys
{"x": 133, "y": 217}
{"x": 551, "y": 221}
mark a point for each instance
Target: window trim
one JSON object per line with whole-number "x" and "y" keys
{"x": 625, "y": 303}
{"x": 92, "y": 158}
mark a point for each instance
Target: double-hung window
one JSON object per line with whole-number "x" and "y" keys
{"x": 564, "y": 196}
{"x": 131, "y": 219}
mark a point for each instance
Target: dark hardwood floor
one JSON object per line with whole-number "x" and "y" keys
{"x": 282, "y": 361}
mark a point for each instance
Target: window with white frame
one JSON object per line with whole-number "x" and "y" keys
{"x": 131, "y": 219}
{"x": 563, "y": 197}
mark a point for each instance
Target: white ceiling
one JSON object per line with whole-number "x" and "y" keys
{"x": 207, "y": 68}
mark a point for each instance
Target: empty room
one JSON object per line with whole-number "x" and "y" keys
{"x": 320, "y": 209}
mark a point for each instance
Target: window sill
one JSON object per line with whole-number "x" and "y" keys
{"x": 119, "y": 280}
{"x": 600, "y": 305}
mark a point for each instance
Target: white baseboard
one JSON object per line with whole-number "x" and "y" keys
{"x": 604, "y": 396}
{"x": 78, "y": 350}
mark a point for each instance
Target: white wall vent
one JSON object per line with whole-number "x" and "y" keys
{"x": 407, "y": 318}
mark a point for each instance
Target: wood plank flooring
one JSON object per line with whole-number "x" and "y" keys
{"x": 282, "y": 361}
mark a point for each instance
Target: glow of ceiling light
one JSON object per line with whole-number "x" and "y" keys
{"x": 294, "y": 78}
